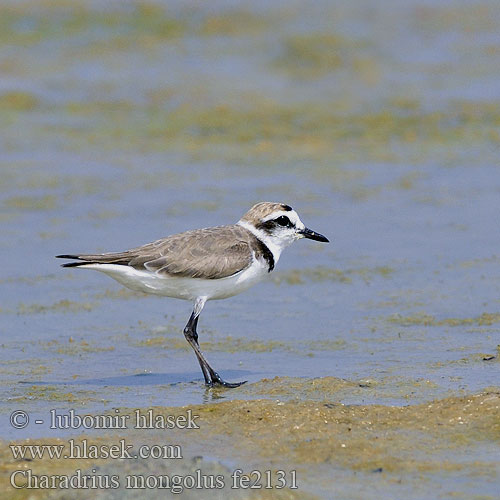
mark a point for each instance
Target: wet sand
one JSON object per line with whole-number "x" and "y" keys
{"x": 344, "y": 450}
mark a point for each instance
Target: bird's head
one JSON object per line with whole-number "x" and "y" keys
{"x": 277, "y": 225}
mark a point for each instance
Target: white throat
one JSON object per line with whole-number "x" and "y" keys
{"x": 272, "y": 243}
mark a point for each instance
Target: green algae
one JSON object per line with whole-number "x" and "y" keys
{"x": 479, "y": 262}
{"x": 52, "y": 393}
{"x": 353, "y": 443}
{"x": 326, "y": 345}
{"x": 233, "y": 22}
{"x": 313, "y": 55}
{"x": 228, "y": 344}
{"x": 259, "y": 128}
{"x": 31, "y": 203}
{"x": 120, "y": 294}
{"x": 68, "y": 187}
{"x": 468, "y": 18}
{"x": 320, "y": 274}
{"x": 290, "y": 387}
{"x": 174, "y": 340}
{"x": 317, "y": 432}
{"x": 18, "y": 101}
{"x": 63, "y": 305}
{"x": 338, "y": 391}
{"x": 47, "y": 393}
{"x": 471, "y": 359}
{"x": 40, "y": 370}
{"x": 252, "y": 128}
{"x": 233, "y": 344}
{"x": 165, "y": 342}
{"x": 73, "y": 348}
{"x": 301, "y": 276}
{"x": 143, "y": 24}
{"x": 302, "y": 424}
{"x": 66, "y": 19}
{"x": 31, "y": 280}
{"x": 423, "y": 319}
{"x": 308, "y": 131}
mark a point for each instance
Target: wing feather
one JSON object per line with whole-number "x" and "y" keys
{"x": 210, "y": 253}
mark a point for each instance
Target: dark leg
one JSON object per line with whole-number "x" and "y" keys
{"x": 192, "y": 336}
{"x": 211, "y": 376}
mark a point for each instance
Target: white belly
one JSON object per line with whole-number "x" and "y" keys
{"x": 180, "y": 287}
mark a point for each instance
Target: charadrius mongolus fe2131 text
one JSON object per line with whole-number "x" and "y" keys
{"x": 205, "y": 264}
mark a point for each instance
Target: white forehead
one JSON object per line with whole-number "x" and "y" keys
{"x": 291, "y": 214}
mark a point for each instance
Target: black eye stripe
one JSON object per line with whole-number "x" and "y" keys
{"x": 270, "y": 225}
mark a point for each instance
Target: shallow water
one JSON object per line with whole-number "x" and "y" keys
{"x": 122, "y": 123}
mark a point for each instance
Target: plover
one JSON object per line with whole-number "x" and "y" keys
{"x": 205, "y": 264}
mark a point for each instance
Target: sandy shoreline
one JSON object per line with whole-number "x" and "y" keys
{"x": 317, "y": 439}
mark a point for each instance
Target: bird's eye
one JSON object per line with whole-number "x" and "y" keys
{"x": 282, "y": 221}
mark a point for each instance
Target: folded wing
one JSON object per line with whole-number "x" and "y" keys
{"x": 211, "y": 253}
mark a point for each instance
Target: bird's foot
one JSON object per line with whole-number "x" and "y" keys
{"x": 216, "y": 380}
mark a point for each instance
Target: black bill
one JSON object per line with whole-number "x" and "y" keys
{"x": 312, "y": 235}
